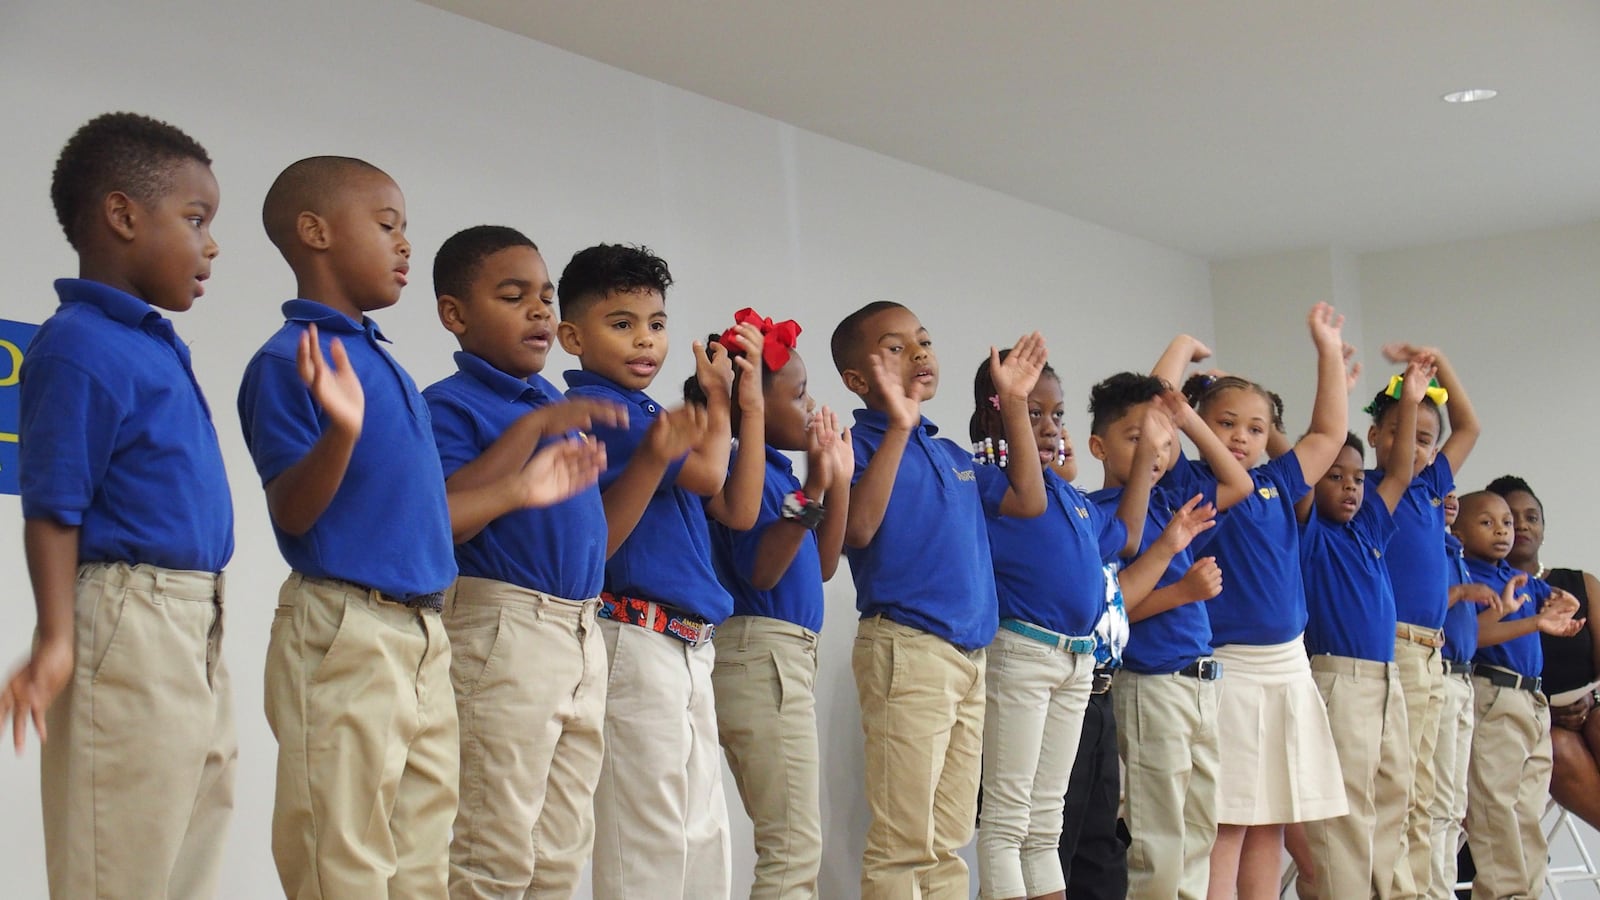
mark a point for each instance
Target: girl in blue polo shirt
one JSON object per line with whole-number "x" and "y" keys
{"x": 766, "y": 652}
{"x": 1050, "y": 578}
{"x": 1280, "y": 765}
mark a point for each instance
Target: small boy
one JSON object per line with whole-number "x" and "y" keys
{"x": 915, "y": 538}
{"x": 527, "y": 661}
{"x": 1509, "y": 774}
{"x": 1166, "y": 694}
{"x": 661, "y": 820}
{"x": 128, "y": 526}
{"x": 1344, "y": 536}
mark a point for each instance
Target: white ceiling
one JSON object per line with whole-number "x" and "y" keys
{"x": 1226, "y": 129}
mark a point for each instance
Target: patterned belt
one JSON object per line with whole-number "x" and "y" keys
{"x": 657, "y": 617}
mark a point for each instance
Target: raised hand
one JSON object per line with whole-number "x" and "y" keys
{"x": 1420, "y": 370}
{"x": 1203, "y": 580}
{"x": 841, "y": 452}
{"x": 751, "y": 400}
{"x": 1198, "y": 352}
{"x": 1178, "y": 409}
{"x": 334, "y": 386}
{"x": 1402, "y": 352}
{"x": 561, "y": 470}
{"x": 1556, "y": 615}
{"x": 676, "y": 431}
{"x": 1352, "y": 368}
{"x": 580, "y": 414}
{"x": 34, "y": 687}
{"x": 1511, "y": 597}
{"x": 713, "y": 368}
{"x": 1015, "y": 377}
{"x": 1473, "y": 592}
{"x": 1326, "y": 326}
{"x": 1188, "y": 523}
{"x": 904, "y": 409}
{"x": 819, "y": 463}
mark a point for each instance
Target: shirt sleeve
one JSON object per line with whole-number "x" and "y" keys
{"x": 1113, "y": 533}
{"x": 992, "y": 487}
{"x": 1287, "y": 475}
{"x": 454, "y": 433}
{"x": 1438, "y": 476}
{"x": 1373, "y": 519}
{"x": 281, "y": 422}
{"x": 863, "y": 453}
{"x": 67, "y": 435}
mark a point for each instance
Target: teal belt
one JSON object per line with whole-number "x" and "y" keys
{"x": 1045, "y": 636}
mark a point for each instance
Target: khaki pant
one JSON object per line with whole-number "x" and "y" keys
{"x": 137, "y": 777}
{"x": 529, "y": 671}
{"x": 358, "y": 696}
{"x": 1450, "y": 782}
{"x": 767, "y": 722}
{"x": 922, "y": 713}
{"x": 1167, "y": 733}
{"x": 661, "y": 821}
{"x": 1356, "y": 855}
{"x": 1032, "y": 719}
{"x": 1422, "y": 681}
{"x": 1509, "y": 785}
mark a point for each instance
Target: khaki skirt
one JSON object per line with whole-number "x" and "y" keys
{"x": 1278, "y": 760}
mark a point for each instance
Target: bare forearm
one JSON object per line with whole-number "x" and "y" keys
{"x": 705, "y": 470}
{"x": 1330, "y": 419}
{"x": 1397, "y": 467}
{"x": 52, "y": 552}
{"x": 1025, "y": 498}
{"x": 1138, "y": 578}
{"x": 1133, "y": 508}
{"x": 503, "y": 458}
{"x": 1175, "y": 360}
{"x": 299, "y": 496}
{"x": 473, "y": 508}
{"x": 625, "y": 500}
{"x": 869, "y": 496}
{"x": 1492, "y": 632}
{"x": 739, "y": 502}
{"x": 1464, "y": 425}
{"x": 1159, "y": 601}
{"x": 830, "y": 535}
{"x": 1233, "y": 482}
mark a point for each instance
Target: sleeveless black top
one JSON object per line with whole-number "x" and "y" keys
{"x": 1569, "y": 661}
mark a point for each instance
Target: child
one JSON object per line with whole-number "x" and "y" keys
{"x": 527, "y": 661}
{"x": 767, "y": 651}
{"x": 1455, "y": 721}
{"x": 1051, "y": 580}
{"x": 661, "y": 821}
{"x": 925, "y": 589}
{"x": 1417, "y": 571}
{"x": 1281, "y": 765}
{"x": 128, "y": 526}
{"x": 1166, "y": 693}
{"x": 1509, "y": 775}
{"x": 358, "y": 664}
{"x": 1350, "y": 606}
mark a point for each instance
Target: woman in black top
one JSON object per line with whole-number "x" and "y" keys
{"x": 1569, "y": 662}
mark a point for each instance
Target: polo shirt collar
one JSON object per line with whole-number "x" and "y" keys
{"x": 878, "y": 421}
{"x": 778, "y": 459}
{"x": 310, "y": 312}
{"x": 509, "y": 388}
{"x": 584, "y": 378}
{"x": 116, "y": 304}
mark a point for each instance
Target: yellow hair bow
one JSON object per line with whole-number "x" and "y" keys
{"x": 1435, "y": 393}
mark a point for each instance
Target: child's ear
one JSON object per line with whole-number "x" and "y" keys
{"x": 1097, "y": 447}
{"x": 312, "y": 230}
{"x": 119, "y": 214}
{"x": 450, "y": 315}
{"x": 1372, "y": 440}
{"x": 570, "y": 338}
{"x": 855, "y": 382}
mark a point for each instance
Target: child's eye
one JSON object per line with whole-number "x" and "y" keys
{"x": 925, "y": 343}
{"x": 894, "y": 348}
{"x": 658, "y": 326}
{"x": 1257, "y": 429}
{"x": 197, "y": 221}
{"x": 621, "y": 325}
{"x": 513, "y": 298}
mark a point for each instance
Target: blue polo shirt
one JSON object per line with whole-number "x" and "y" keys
{"x": 1461, "y": 622}
{"x": 116, "y": 438}
{"x": 1168, "y": 642}
{"x": 1348, "y": 597}
{"x": 559, "y": 549}
{"x": 388, "y": 526}
{"x": 1416, "y": 567}
{"x": 1050, "y": 570}
{"x": 928, "y": 567}
{"x": 667, "y": 558}
{"x": 797, "y": 597}
{"x": 1258, "y": 547}
{"x": 1523, "y": 655}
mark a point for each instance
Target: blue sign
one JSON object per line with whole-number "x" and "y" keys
{"x": 14, "y": 338}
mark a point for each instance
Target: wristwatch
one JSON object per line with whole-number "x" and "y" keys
{"x": 803, "y": 511}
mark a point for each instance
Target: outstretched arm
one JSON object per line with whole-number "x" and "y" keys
{"x": 1464, "y": 425}
{"x": 1397, "y": 467}
{"x": 300, "y": 494}
{"x": 1175, "y": 360}
{"x": 1233, "y": 482}
{"x": 52, "y": 551}
{"x": 869, "y": 496}
{"x": 1014, "y": 379}
{"x": 1330, "y": 413}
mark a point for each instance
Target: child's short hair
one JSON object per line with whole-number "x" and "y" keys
{"x": 599, "y": 270}
{"x": 847, "y": 339}
{"x": 1111, "y": 399}
{"x": 1510, "y": 484}
{"x": 462, "y": 254}
{"x": 1354, "y": 443}
{"x": 120, "y": 151}
{"x": 306, "y": 185}
{"x": 985, "y": 396}
{"x": 1201, "y": 389}
{"x": 1383, "y": 402}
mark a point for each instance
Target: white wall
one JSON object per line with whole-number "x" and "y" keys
{"x": 478, "y": 125}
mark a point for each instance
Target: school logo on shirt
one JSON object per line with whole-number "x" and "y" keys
{"x": 1082, "y": 513}
{"x": 967, "y": 475}
{"x": 1268, "y": 493}
{"x": 1436, "y": 501}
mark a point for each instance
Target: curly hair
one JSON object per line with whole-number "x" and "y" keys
{"x": 1111, "y": 399}
{"x": 119, "y": 151}
{"x": 599, "y": 270}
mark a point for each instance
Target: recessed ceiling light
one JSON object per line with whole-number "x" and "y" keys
{"x": 1472, "y": 96}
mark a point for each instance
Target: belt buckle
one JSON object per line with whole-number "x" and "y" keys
{"x": 1538, "y": 683}
{"x": 1210, "y": 670}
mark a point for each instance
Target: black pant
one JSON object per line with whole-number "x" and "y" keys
{"x": 1094, "y": 844}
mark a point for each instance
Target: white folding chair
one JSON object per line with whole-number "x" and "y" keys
{"x": 1584, "y": 871}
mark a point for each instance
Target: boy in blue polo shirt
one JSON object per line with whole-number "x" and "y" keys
{"x": 1166, "y": 694}
{"x": 1509, "y": 774}
{"x": 917, "y": 546}
{"x": 661, "y": 820}
{"x": 129, "y": 524}
{"x": 529, "y": 580}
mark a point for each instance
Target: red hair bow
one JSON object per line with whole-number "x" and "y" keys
{"x": 777, "y": 338}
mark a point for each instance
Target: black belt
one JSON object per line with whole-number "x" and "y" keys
{"x": 1502, "y": 678}
{"x": 1451, "y": 667}
{"x": 1102, "y": 681}
{"x": 1203, "y": 669}
{"x": 433, "y": 601}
